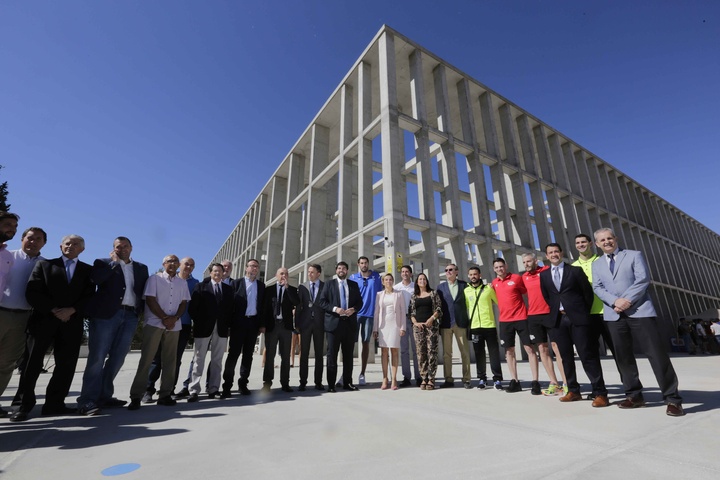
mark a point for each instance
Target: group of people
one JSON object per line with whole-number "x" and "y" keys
{"x": 44, "y": 303}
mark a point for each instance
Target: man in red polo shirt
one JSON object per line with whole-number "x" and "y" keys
{"x": 538, "y": 311}
{"x": 509, "y": 289}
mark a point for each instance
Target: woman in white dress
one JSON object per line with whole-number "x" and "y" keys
{"x": 389, "y": 326}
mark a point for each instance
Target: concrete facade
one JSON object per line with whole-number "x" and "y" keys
{"x": 411, "y": 161}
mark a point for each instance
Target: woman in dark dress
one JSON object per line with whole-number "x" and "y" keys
{"x": 425, "y": 313}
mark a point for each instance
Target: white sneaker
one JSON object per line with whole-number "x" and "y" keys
{"x": 361, "y": 380}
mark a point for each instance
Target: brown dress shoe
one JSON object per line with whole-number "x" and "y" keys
{"x": 675, "y": 410}
{"x": 571, "y": 397}
{"x": 600, "y": 401}
{"x": 632, "y": 403}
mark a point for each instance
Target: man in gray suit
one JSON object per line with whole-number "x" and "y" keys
{"x": 621, "y": 279}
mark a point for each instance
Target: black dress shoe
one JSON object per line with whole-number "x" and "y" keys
{"x": 320, "y": 387}
{"x": 19, "y": 416}
{"x": 59, "y": 410}
{"x": 351, "y": 387}
{"x": 3, "y": 413}
{"x": 166, "y": 401}
{"x": 194, "y": 397}
{"x": 134, "y": 404}
{"x": 244, "y": 390}
{"x": 405, "y": 383}
{"x": 301, "y": 388}
{"x": 287, "y": 389}
{"x": 183, "y": 393}
{"x": 214, "y": 395}
{"x": 447, "y": 385}
{"x": 114, "y": 403}
{"x": 331, "y": 389}
{"x": 226, "y": 394}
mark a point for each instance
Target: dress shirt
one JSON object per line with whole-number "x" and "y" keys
{"x": 251, "y": 292}
{"x": 407, "y": 291}
{"x": 342, "y": 284}
{"x": 615, "y": 254}
{"x": 169, "y": 292}
{"x": 13, "y": 295}
{"x": 6, "y": 263}
{"x": 129, "y": 298}
{"x": 453, "y": 287}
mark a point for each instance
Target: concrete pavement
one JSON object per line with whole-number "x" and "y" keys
{"x": 373, "y": 433}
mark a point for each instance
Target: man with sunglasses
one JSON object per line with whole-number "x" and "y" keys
{"x": 454, "y": 323}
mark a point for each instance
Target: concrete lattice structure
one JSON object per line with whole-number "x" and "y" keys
{"x": 412, "y": 161}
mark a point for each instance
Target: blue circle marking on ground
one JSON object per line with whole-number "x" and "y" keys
{"x": 121, "y": 469}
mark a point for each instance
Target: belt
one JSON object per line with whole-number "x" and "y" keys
{"x": 127, "y": 308}
{"x": 15, "y": 310}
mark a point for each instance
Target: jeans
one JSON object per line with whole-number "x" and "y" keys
{"x": 108, "y": 344}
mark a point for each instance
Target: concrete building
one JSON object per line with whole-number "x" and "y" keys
{"x": 412, "y": 161}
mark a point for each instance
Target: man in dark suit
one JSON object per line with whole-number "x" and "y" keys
{"x": 58, "y": 290}
{"x": 113, "y": 314}
{"x": 310, "y": 321}
{"x": 454, "y": 323}
{"x": 211, "y": 308}
{"x": 569, "y": 294}
{"x": 245, "y": 327}
{"x": 280, "y": 301}
{"x": 621, "y": 280}
{"x": 341, "y": 300}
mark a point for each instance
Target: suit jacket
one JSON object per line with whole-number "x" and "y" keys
{"x": 575, "y": 295}
{"x": 330, "y": 299}
{"x": 240, "y": 298}
{"x": 305, "y": 313}
{"x": 48, "y": 288}
{"x": 290, "y": 300}
{"x": 110, "y": 280}
{"x": 206, "y": 312}
{"x": 458, "y": 305}
{"x": 630, "y": 280}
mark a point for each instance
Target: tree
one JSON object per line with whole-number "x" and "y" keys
{"x": 4, "y": 206}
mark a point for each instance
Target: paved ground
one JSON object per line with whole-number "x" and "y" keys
{"x": 409, "y": 433}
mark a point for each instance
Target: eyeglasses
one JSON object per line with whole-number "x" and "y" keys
{"x": 449, "y": 269}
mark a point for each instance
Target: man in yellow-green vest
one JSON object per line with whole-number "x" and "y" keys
{"x": 587, "y": 256}
{"x": 479, "y": 300}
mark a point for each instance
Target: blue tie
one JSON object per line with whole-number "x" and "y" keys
{"x": 68, "y": 263}
{"x": 343, "y": 300}
{"x": 612, "y": 262}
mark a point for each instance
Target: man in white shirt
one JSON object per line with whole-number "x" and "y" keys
{"x": 166, "y": 298}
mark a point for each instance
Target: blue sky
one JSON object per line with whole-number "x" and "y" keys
{"x": 161, "y": 120}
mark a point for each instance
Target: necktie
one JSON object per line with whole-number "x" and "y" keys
{"x": 612, "y": 262}
{"x": 278, "y": 306}
{"x": 343, "y": 300}
{"x": 312, "y": 291}
{"x": 68, "y": 264}
{"x": 218, "y": 293}
{"x": 556, "y": 277}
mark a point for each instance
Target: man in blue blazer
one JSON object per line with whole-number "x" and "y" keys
{"x": 113, "y": 314}
{"x": 621, "y": 280}
{"x": 341, "y": 300}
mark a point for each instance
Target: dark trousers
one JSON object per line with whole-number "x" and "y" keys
{"x": 242, "y": 341}
{"x": 585, "y": 338}
{"x": 643, "y": 332}
{"x": 156, "y": 366}
{"x": 486, "y": 336}
{"x": 344, "y": 336}
{"x": 66, "y": 338}
{"x": 280, "y": 338}
{"x": 315, "y": 333}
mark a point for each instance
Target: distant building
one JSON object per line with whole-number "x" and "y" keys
{"x": 412, "y": 161}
